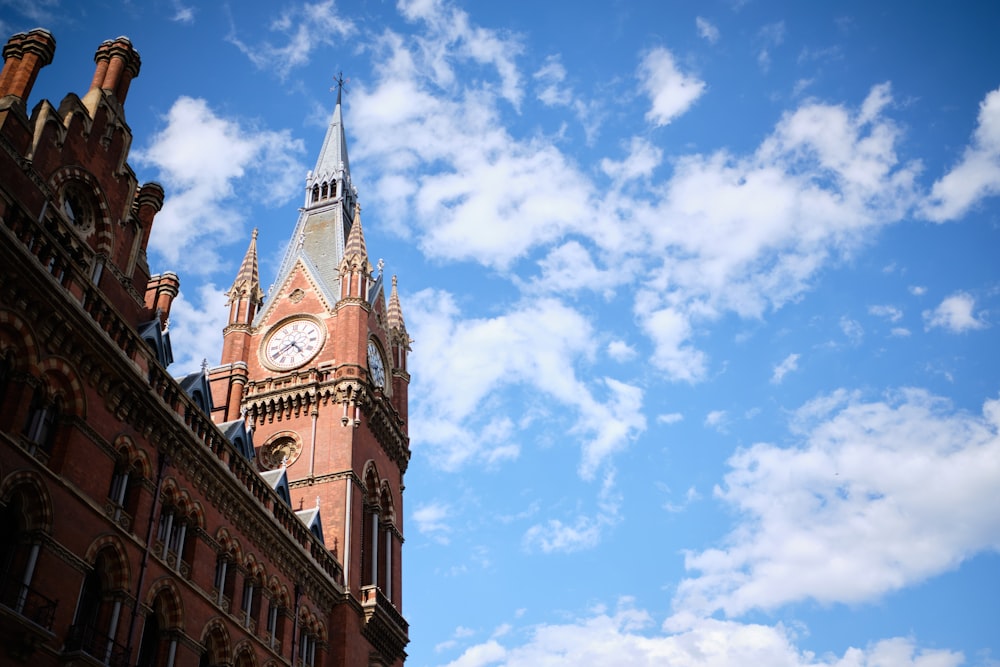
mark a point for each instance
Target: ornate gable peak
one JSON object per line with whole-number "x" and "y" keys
{"x": 280, "y": 292}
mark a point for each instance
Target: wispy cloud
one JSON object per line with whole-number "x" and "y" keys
{"x": 707, "y": 30}
{"x": 788, "y": 364}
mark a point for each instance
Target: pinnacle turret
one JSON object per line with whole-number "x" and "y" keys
{"x": 247, "y": 283}
{"x": 394, "y": 316}
{"x": 355, "y": 246}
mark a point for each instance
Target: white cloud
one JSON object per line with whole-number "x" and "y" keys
{"x": 584, "y": 532}
{"x": 550, "y": 78}
{"x": 570, "y": 267}
{"x": 891, "y": 313}
{"x": 195, "y": 327}
{"x": 771, "y": 36}
{"x": 626, "y": 636}
{"x": 707, "y": 30}
{"x": 724, "y": 233}
{"x": 670, "y": 91}
{"x": 537, "y": 344}
{"x": 875, "y": 497}
{"x": 303, "y": 29}
{"x": 204, "y": 161}
{"x": 955, "y": 314}
{"x": 451, "y": 38}
{"x": 789, "y": 364}
{"x": 433, "y": 520}
{"x": 642, "y": 159}
{"x": 619, "y": 350}
{"x": 852, "y": 329}
{"x": 717, "y": 419}
{"x": 748, "y": 234}
{"x": 670, "y": 418}
{"x": 977, "y": 175}
{"x": 182, "y": 14}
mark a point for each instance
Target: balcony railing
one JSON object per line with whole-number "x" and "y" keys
{"x": 86, "y": 639}
{"x": 28, "y": 603}
{"x": 373, "y": 599}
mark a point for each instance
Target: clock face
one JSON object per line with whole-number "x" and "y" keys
{"x": 375, "y": 364}
{"x": 293, "y": 344}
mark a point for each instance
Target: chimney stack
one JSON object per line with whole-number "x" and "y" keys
{"x": 25, "y": 54}
{"x": 117, "y": 64}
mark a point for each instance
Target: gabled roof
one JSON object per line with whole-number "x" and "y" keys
{"x": 311, "y": 519}
{"x": 239, "y": 436}
{"x": 277, "y": 479}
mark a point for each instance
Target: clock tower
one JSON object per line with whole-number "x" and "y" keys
{"x": 318, "y": 371}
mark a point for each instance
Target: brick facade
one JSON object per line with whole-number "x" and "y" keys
{"x": 145, "y": 518}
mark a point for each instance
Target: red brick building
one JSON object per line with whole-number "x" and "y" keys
{"x": 248, "y": 514}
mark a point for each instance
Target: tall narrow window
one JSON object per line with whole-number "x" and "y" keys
{"x": 248, "y": 606}
{"x": 6, "y": 371}
{"x": 42, "y": 419}
{"x": 273, "y": 613}
{"x": 307, "y": 648}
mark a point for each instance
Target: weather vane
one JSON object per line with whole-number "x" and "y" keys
{"x": 341, "y": 82}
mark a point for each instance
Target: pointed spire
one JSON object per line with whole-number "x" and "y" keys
{"x": 395, "y": 314}
{"x": 247, "y": 283}
{"x": 333, "y": 154}
{"x": 355, "y": 245}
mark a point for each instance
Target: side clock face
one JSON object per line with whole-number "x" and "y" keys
{"x": 293, "y": 344}
{"x": 375, "y": 364}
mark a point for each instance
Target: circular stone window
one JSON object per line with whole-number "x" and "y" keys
{"x": 77, "y": 206}
{"x": 282, "y": 450}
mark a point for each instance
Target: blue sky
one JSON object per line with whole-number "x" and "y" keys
{"x": 704, "y": 298}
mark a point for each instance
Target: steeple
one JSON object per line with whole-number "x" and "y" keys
{"x": 333, "y": 155}
{"x": 246, "y": 296}
{"x": 326, "y": 217}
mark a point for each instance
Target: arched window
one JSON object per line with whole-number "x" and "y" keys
{"x": 6, "y": 372}
{"x": 307, "y": 647}
{"x": 98, "y": 612}
{"x": 216, "y": 647}
{"x": 124, "y": 491}
{"x": 176, "y": 537}
{"x": 250, "y": 604}
{"x": 370, "y": 530}
{"x": 43, "y": 417}
{"x": 275, "y": 629}
{"x": 18, "y": 558}
{"x": 225, "y": 580}
{"x": 325, "y": 191}
{"x": 158, "y": 645}
{"x": 149, "y": 647}
{"x": 315, "y": 193}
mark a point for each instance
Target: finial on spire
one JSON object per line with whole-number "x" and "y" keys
{"x": 341, "y": 82}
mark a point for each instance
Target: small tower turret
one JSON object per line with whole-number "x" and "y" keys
{"x": 399, "y": 344}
